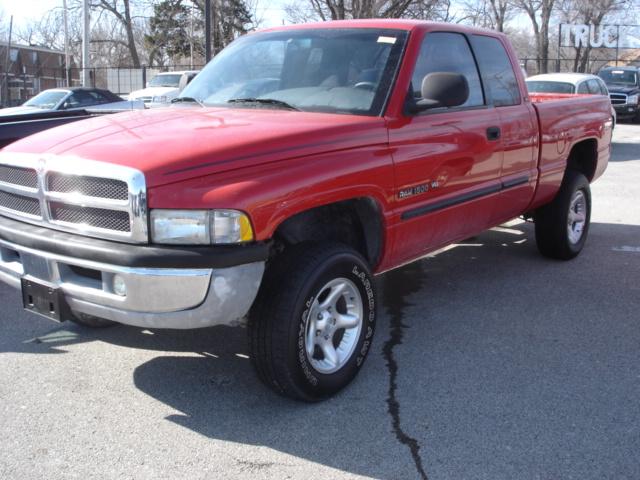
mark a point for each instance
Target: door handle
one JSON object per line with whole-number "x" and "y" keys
{"x": 493, "y": 133}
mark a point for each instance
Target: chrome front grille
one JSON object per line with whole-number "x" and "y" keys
{"x": 73, "y": 194}
{"x": 25, "y": 177}
{"x": 20, "y": 204}
{"x": 94, "y": 217}
{"x": 618, "y": 98}
{"x": 88, "y": 186}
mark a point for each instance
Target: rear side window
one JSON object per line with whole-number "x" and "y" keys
{"x": 583, "y": 88}
{"x": 594, "y": 87}
{"x": 497, "y": 71}
{"x": 447, "y": 52}
{"x": 603, "y": 88}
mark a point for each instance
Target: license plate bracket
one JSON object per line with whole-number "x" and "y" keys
{"x": 44, "y": 300}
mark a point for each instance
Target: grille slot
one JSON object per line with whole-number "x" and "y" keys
{"x": 88, "y": 186}
{"x": 20, "y": 203}
{"x": 618, "y": 98}
{"x": 25, "y": 177}
{"x": 94, "y": 217}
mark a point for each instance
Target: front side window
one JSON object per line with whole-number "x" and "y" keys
{"x": 594, "y": 87}
{"x": 321, "y": 70}
{"x": 603, "y": 88}
{"x": 447, "y": 52}
{"x": 497, "y": 71}
{"x": 583, "y": 88}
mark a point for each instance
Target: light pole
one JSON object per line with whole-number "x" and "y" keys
{"x": 207, "y": 30}
{"x": 66, "y": 43}
{"x": 86, "y": 19}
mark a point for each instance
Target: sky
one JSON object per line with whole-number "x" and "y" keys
{"x": 25, "y": 10}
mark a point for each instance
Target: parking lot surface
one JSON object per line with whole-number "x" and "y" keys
{"x": 489, "y": 362}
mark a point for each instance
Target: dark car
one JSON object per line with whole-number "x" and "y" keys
{"x": 624, "y": 90}
{"x": 75, "y": 98}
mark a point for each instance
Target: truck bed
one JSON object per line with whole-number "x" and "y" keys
{"x": 563, "y": 120}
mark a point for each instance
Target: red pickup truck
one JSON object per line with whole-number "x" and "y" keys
{"x": 300, "y": 162}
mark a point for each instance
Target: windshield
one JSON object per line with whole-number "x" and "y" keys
{"x": 47, "y": 99}
{"x": 165, "y": 81}
{"x": 319, "y": 70}
{"x": 546, "y": 86}
{"x": 623, "y": 77}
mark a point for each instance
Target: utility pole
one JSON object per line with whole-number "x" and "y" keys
{"x": 86, "y": 19}
{"x": 5, "y": 97}
{"x": 207, "y": 30}
{"x": 191, "y": 38}
{"x": 66, "y": 44}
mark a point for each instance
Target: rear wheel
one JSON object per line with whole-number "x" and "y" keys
{"x": 562, "y": 225}
{"x": 312, "y": 324}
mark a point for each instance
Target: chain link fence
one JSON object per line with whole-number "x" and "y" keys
{"x": 19, "y": 87}
{"x": 533, "y": 66}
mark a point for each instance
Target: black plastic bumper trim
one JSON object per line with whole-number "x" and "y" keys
{"x": 128, "y": 255}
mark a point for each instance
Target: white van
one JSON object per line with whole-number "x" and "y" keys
{"x": 163, "y": 88}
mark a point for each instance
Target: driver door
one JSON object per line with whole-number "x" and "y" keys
{"x": 447, "y": 160}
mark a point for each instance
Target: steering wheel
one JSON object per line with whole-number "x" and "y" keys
{"x": 365, "y": 85}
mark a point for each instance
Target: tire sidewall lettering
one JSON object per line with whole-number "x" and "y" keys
{"x": 366, "y": 335}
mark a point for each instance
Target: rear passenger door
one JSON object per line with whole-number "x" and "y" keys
{"x": 447, "y": 160}
{"x": 518, "y": 127}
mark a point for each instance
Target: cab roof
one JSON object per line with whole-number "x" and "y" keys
{"x": 387, "y": 23}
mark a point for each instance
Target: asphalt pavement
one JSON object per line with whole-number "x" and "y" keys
{"x": 489, "y": 362}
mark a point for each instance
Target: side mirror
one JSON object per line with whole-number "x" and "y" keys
{"x": 442, "y": 89}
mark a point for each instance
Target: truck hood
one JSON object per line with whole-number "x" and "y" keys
{"x": 179, "y": 143}
{"x": 613, "y": 88}
{"x": 153, "y": 92}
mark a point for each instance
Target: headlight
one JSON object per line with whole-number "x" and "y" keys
{"x": 632, "y": 99}
{"x": 200, "y": 227}
{"x": 160, "y": 99}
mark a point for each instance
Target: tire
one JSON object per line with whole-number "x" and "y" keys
{"x": 90, "y": 321}
{"x": 556, "y": 236}
{"x": 293, "y": 324}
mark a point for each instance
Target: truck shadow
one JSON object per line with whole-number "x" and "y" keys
{"x": 219, "y": 396}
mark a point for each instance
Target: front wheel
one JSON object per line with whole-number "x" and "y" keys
{"x": 312, "y": 324}
{"x": 562, "y": 225}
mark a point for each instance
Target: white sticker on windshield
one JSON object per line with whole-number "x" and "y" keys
{"x": 617, "y": 72}
{"x": 390, "y": 40}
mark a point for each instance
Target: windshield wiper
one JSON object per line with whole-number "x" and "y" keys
{"x": 265, "y": 101}
{"x": 187, "y": 100}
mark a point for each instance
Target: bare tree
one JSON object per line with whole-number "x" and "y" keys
{"x": 348, "y": 9}
{"x": 4, "y": 26}
{"x": 487, "y": 13}
{"x": 591, "y": 12}
{"x": 539, "y": 12}
{"x": 121, "y": 11}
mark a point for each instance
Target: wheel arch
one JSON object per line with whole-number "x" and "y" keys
{"x": 583, "y": 158}
{"x": 357, "y": 222}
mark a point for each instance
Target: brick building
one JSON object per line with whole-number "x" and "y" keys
{"x": 31, "y": 70}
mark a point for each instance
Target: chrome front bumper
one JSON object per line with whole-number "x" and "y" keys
{"x": 154, "y": 298}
